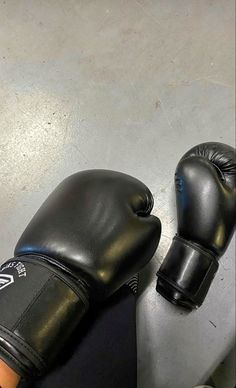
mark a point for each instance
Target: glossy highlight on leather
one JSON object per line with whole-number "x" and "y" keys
{"x": 205, "y": 184}
{"x": 92, "y": 234}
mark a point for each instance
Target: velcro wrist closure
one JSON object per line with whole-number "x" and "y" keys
{"x": 186, "y": 274}
{"x": 40, "y": 307}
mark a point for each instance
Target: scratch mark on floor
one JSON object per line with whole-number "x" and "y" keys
{"x": 213, "y": 324}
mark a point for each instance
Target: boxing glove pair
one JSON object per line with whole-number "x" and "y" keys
{"x": 93, "y": 233}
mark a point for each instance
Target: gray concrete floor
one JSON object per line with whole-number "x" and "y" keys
{"x": 130, "y": 86}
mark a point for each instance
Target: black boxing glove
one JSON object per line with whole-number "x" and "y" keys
{"x": 90, "y": 236}
{"x": 205, "y": 182}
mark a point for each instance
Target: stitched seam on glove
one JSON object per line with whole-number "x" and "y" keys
{"x": 55, "y": 271}
{"x": 23, "y": 344}
{"x": 53, "y": 267}
{"x": 36, "y": 296}
{"x": 176, "y": 286}
{"x": 149, "y": 204}
{"x": 14, "y": 360}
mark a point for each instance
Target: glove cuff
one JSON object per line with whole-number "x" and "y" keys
{"x": 40, "y": 307}
{"x": 186, "y": 274}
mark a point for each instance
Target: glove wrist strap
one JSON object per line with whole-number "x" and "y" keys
{"x": 40, "y": 307}
{"x": 186, "y": 274}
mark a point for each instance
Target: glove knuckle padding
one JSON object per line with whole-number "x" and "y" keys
{"x": 109, "y": 207}
{"x": 91, "y": 235}
{"x": 204, "y": 203}
{"x": 222, "y": 156}
{"x": 205, "y": 183}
